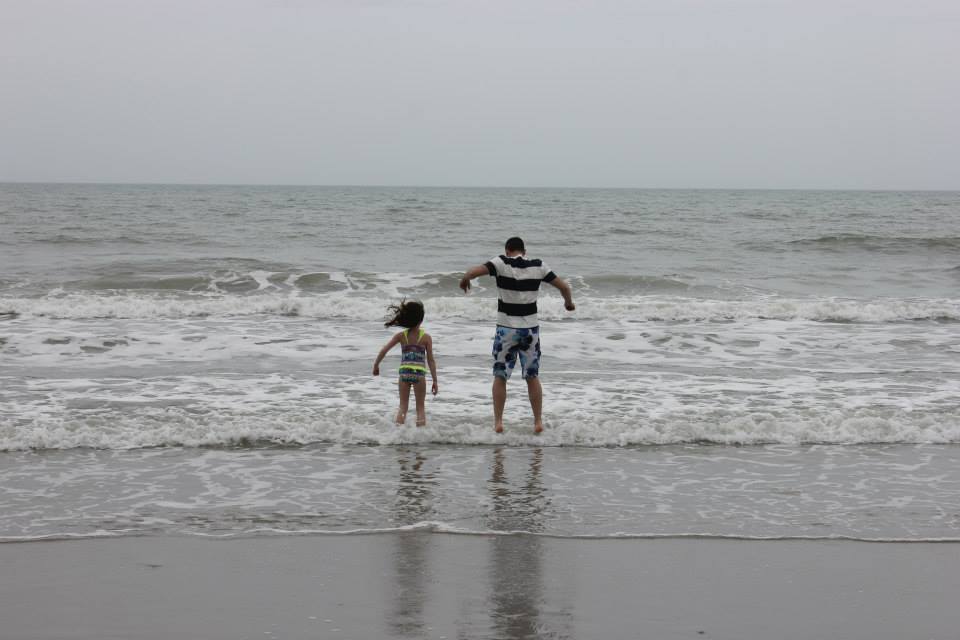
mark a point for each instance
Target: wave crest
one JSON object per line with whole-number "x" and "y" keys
{"x": 362, "y": 307}
{"x": 181, "y": 427}
{"x": 870, "y": 242}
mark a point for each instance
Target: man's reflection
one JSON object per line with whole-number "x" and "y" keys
{"x": 413, "y": 504}
{"x": 516, "y": 560}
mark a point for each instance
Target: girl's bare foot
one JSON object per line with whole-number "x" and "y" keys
{"x": 401, "y": 418}
{"x": 498, "y": 427}
{"x": 421, "y": 422}
{"x": 538, "y": 427}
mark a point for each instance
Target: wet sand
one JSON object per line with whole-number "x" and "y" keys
{"x": 429, "y": 585}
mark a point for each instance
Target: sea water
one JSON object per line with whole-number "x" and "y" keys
{"x": 197, "y": 360}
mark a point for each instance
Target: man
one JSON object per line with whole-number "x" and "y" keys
{"x": 518, "y": 330}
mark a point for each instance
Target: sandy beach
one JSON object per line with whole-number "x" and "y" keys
{"x": 428, "y": 585}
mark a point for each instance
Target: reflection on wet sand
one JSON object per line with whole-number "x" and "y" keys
{"x": 414, "y": 503}
{"x": 518, "y": 508}
{"x": 516, "y": 591}
{"x": 509, "y": 601}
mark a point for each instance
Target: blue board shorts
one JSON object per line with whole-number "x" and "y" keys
{"x": 508, "y": 343}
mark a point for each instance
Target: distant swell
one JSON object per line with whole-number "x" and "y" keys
{"x": 870, "y": 242}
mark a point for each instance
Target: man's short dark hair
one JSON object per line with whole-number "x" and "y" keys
{"x": 514, "y": 244}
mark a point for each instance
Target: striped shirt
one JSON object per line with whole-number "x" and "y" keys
{"x": 518, "y": 283}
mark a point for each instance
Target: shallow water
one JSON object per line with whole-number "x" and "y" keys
{"x": 870, "y": 492}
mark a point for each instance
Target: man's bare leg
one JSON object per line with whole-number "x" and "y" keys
{"x": 535, "y": 392}
{"x": 499, "y": 399}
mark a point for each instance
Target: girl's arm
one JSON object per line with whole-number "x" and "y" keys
{"x": 383, "y": 352}
{"x": 432, "y": 364}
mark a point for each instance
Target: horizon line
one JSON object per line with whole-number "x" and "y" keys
{"x": 460, "y": 186}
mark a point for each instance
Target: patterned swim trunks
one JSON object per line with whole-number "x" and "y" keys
{"x": 508, "y": 343}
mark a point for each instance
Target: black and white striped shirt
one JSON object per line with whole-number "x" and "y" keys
{"x": 518, "y": 283}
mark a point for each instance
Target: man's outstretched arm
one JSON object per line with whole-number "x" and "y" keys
{"x": 473, "y": 272}
{"x": 565, "y": 291}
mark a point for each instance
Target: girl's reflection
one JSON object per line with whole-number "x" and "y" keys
{"x": 413, "y": 504}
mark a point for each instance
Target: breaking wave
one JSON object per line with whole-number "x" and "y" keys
{"x": 369, "y": 306}
{"x": 174, "y": 426}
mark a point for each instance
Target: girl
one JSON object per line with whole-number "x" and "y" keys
{"x": 416, "y": 348}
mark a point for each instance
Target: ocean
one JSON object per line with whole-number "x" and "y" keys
{"x": 196, "y": 361}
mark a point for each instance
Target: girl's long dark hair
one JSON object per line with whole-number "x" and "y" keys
{"x": 406, "y": 314}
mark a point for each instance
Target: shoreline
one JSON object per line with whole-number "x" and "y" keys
{"x": 428, "y": 584}
{"x": 430, "y": 528}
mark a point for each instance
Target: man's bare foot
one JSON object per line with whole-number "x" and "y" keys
{"x": 498, "y": 427}
{"x": 538, "y": 427}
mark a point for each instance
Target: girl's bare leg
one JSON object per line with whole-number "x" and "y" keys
{"x": 420, "y": 391}
{"x": 404, "y": 402}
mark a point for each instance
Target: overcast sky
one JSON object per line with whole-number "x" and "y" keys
{"x": 594, "y": 93}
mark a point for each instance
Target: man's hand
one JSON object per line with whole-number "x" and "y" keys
{"x": 565, "y": 291}
{"x": 472, "y": 272}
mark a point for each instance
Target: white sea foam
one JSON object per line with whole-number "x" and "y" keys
{"x": 290, "y": 379}
{"x": 153, "y": 426}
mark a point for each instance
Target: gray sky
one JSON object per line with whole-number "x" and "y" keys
{"x": 672, "y": 93}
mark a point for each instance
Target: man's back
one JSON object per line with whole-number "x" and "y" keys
{"x": 518, "y": 285}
